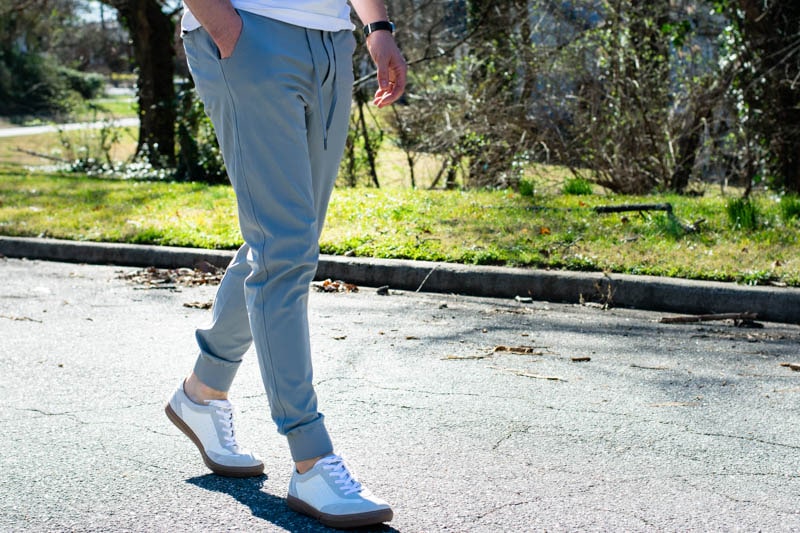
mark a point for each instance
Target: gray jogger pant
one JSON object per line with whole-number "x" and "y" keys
{"x": 280, "y": 106}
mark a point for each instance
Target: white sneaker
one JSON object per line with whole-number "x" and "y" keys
{"x": 330, "y": 493}
{"x": 210, "y": 427}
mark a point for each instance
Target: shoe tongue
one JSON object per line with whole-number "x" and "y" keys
{"x": 219, "y": 403}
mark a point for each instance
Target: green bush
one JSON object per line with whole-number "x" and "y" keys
{"x": 199, "y": 154}
{"x": 527, "y": 187}
{"x": 88, "y": 84}
{"x": 30, "y": 84}
{"x": 742, "y": 213}
{"x": 790, "y": 207}
{"x": 577, "y": 186}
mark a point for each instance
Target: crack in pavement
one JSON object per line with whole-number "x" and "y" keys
{"x": 765, "y": 505}
{"x": 750, "y": 439}
{"x": 505, "y": 506}
{"x": 637, "y": 417}
{"x": 524, "y": 429}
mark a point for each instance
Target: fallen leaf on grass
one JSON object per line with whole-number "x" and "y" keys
{"x": 792, "y": 366}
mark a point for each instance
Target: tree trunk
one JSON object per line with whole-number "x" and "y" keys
{"x": 152, "y": 32}
{"x": 771, "y": 30}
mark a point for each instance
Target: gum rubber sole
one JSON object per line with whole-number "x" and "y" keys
{"x": 340, "y": 521}
{"x": 221, "y": 470}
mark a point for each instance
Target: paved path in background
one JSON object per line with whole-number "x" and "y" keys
{"x": 664, "y": 428}
{"x": 51, "y": 128}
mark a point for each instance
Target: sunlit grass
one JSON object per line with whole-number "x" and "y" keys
{"x": 475, "y": 227}
{"x": 50, "y": 148}
{"x": 79, "y": 208}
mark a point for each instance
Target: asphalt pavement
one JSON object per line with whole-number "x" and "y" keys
{"x": 466, "y": 413}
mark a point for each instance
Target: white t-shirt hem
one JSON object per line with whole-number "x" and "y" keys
{"x": 327, "y": 15}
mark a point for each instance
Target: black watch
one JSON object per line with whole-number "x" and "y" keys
{"x": 380, "y": 25}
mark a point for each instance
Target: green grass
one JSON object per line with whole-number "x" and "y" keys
{"x": 114, "y": 107}
{"x": 743, "y": 213}
{"x": 105, "y": 107}
{"x": 20, "y": 150}
{"x": 476, "y": 227}
{"x": 79, "y": 208}
{"x": 577, "y": 187}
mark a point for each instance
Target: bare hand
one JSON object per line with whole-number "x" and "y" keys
{"x": 226, "y": 33}
{"x": 391, "y": 67}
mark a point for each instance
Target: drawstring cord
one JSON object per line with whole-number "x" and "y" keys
{"x": 331, "y": 57}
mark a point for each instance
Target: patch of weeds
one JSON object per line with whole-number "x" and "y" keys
{"x": 577, "y": 187}
{"x": 480, "y": 256}
{"x": 526, "y": 187}
{"x": 790, "y": 207}
{"x": 581, "y": 262}
{"x": 668, "y": 226}
{"x": 743, "y": 213}
{"x": 147, "y": 236}
{"x": 755, "y": 277}
{"x": 351, "y": 246}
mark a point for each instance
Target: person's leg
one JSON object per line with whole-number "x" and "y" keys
{"x": 323, "y": 487}
{"x": 199, "y": 407}
{"x": 224, "y": 342}
{"x": 327, "y": 127}
{"x": 260, "y": 101}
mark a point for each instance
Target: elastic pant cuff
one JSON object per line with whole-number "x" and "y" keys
{"x": 215, "y": 372}
{"x": 310, "y": 441}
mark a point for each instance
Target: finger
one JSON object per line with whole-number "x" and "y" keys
{"x": 400, "y": 79}
{"x": 386, "y": 98}
{"x": 383, "y": 75}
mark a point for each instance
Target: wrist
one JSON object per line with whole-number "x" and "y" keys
{"x": 378, "y": 26}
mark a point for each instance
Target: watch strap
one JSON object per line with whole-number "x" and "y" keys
{"x": 379, "y": 25}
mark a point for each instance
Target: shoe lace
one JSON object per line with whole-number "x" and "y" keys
{"x": 336, "y": 468}
{"x": 224, "y": 411}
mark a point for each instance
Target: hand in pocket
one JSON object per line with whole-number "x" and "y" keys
{"x": 226, "y": 36}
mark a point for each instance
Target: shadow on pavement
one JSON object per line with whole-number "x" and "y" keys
{"x": 273, "y": 509}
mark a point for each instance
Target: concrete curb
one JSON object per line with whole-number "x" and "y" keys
{"x": 775, "y": 304}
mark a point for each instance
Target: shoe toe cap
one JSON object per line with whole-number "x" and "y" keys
{"x": 356, "y": 506}
{"x": 242, "y": 460}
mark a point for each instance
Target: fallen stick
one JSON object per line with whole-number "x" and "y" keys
{"x": 525, "y": 374}
{"x": 43, "y": 156}
{"x": 705, "y": 318}
{"x": 633, "y": 207}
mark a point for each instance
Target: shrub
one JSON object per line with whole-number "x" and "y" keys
{"x": 526, "y": 187}
{"x": 31, "y": 85}
{"x": 87, "y": 84}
